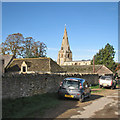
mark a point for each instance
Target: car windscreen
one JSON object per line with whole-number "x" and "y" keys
{"x": 68, "y": 83}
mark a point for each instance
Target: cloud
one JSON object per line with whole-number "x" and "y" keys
{"x": 53, "y": 49}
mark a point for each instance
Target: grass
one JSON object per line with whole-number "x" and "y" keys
{"x": 29, "y": 106}
{"x": 96, "y": 87}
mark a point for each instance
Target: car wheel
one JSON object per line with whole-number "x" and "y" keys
{"x": 115, "y": 87}
{"x": 100, "y": 86}
{"x": 82, "y": 98}
{"x": 89, "y": 95}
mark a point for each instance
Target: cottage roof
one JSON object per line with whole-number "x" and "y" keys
{"x": 42, "y": 64}
{"x": 7, "y": 59}
{"x": 100, "y": 69}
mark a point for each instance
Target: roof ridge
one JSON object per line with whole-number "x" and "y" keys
{"x": 31, "y": 58}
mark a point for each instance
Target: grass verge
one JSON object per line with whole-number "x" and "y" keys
{"x": 29, "y": 106}
{"x": 96, "y": 89}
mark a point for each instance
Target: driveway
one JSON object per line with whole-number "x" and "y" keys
{"x": 105, "y": 107}
{"x": 102, "y": 104}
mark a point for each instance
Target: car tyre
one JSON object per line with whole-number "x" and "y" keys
{"x": 82, "y": 98}
{"x": 89, "y": 95}
{"x": 100, "y": 86}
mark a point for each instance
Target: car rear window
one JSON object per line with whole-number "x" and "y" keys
{"x": 106, "y": 78}
{"x": 71, "y": 83}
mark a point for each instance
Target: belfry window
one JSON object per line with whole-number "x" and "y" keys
{"x": 61, "y": 48}
{"x": 68, "y": 48}
{"x": 68, "y": 56}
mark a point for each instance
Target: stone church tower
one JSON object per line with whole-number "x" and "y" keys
{"x": 65, "y": 53}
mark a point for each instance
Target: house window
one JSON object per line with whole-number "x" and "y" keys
{"x": 24, "y": 68}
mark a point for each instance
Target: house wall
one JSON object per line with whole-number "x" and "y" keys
{"x": 78, "y": 63}
{"x": 22, "y": 85}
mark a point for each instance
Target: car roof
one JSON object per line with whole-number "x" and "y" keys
{"x": 76, "y": 79}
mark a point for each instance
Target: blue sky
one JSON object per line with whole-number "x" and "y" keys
{"x": 90, "y": 26}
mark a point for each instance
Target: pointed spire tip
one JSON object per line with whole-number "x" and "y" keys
{"x": 65, "y": 25}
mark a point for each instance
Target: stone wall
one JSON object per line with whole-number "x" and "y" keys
{"x": 22, "y": 85}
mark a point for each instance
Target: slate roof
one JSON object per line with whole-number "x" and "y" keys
{"x": 87, "y": 69}
{"x": 7, "y": 59}
{"x": 118, "y": 71}
{"x": 41, "y": 64}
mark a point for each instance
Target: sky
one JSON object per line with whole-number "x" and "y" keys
{"x": 90, "y": 25}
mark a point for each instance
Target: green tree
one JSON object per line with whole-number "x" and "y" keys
{"x": 105, "y": 56}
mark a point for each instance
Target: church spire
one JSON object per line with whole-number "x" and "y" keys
{"x": 65, "y": 43}
{"x": 65, "y": 53}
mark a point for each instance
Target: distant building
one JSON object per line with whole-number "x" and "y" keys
{"x": 87, "y": 69}
{"x": 85, "y": 62}
{"x": 34, "y": 65}
{"x": 65, "y": 54}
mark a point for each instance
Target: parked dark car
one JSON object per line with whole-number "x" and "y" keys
{"x": 77, "y": 88}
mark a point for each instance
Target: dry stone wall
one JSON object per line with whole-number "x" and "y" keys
{"x": 23, "y": 85}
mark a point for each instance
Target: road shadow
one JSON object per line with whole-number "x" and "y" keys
{"x": 93, "y": 97}
{"x": 68, "y": 104}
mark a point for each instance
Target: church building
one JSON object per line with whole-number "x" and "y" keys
{"x": 65, "y": 54}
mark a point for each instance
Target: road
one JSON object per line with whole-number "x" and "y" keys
{"x": 101, "y": 105}
{"x": 105, "y": 107}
